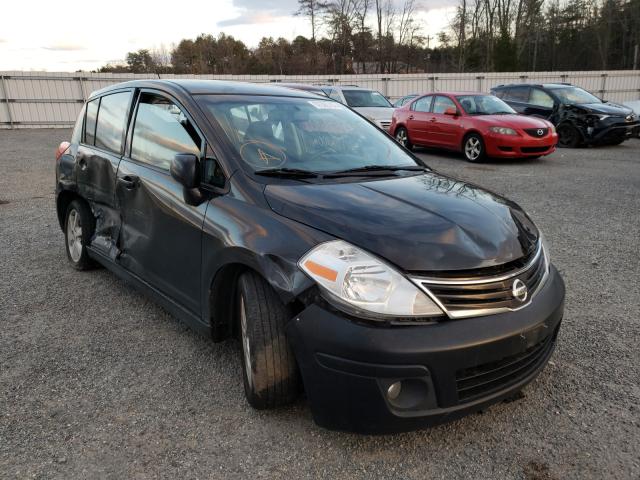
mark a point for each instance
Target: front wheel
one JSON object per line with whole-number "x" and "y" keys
{"x": 402, "y": 137}
{"x": 269, "y": 368}
{"x": 473, "y": 148}
{"x": 568, "y": 136}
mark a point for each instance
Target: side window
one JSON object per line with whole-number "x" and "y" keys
{"x": 90, "y": 122}
{"x": 517, "y": 94}
{"x": 77, "y": 129}
{"x": 422, "y": 104}
{"x": 161, "y": 131}
{"x": 112, "y": 121}
{"x": 334, "y": 94}
{"x": 442, "y": 104}
{"x": 541, "y": 98}
{"x": 498, "y": 93}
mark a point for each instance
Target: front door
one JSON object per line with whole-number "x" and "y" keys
{"x": 445, "y": 129}
{"x": 161, "y": 234}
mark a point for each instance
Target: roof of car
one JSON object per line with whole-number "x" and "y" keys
{"x": 213, "y": 87}
{"x": 541, "y": 85}
{"x": 453, "y": 94}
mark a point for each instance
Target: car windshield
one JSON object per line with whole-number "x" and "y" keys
{"x": 365, "y": 98}
{"x": 483, "y": 105}
{"x": 574, "y": 96}
{"x": 302, "y": 135}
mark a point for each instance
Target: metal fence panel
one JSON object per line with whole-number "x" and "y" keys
{"x": 42, "y": 99}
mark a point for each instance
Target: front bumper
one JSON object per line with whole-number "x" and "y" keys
{"x": 613, "y": 132}
{"x": 506, "y": 146}
{"x": 448, "y": 369}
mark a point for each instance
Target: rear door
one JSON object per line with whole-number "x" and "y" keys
{"x": 444, "y": 129}
{"x": 418, "y": 120}
{"x": 161, "y": 234}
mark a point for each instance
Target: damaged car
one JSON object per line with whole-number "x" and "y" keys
{"x": 580, "y": 117}
{"x": 394, "y": 296}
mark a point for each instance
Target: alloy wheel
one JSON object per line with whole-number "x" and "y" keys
{"x": 401, "y": 137}
{"x": 473, "y": 148}
{"x": 74, "y": 235}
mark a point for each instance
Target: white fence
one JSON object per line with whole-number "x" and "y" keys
{"x": 42, "y": 99}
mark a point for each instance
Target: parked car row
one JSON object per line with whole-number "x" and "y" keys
{"x": 578, "y": 117}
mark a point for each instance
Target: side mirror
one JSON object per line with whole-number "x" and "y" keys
{"x": 451, "y": 111}
{"x": 184, "y": 169}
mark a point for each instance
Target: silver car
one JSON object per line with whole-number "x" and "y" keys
{"x": 369, "y": 103}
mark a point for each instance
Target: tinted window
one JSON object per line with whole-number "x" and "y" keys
{"x": 112, "y": 121}
{"x": 90, "y": 122}
{"x": 77, "y": 129}
{"x": 365, "y": 98}
{"x": 540, "y": 98}
{"x": 316, "y": 135}
{"x": 161, "y": 131}
{"x": 442, "y": 104}
{"x": 422, "y": 104}
{"x": 517, "y": 94}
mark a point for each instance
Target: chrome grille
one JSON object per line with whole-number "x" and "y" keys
{"x": 461, "y": 297}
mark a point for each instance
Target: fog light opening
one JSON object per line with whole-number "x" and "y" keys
{"x": 394, "y": 390}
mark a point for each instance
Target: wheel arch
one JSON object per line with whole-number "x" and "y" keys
{"x": 63, "y": 199}
{"x": 470, "y": 132}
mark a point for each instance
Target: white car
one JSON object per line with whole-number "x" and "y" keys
{"x": 366, "y": 102}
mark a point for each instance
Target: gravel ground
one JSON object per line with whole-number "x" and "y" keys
{"x": 96, "y": 381}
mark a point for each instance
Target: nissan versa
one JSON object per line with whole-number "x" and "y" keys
{"x": 393, "y": 296}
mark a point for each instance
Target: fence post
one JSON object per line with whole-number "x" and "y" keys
{"x": 603, "y": 86}
{"x": 385, "y": 86}
{"x": 480, "y": 79}
{"x": 433, "y": 83}
{"x": 5, "y": 92}
{"x": 82, "y": 89}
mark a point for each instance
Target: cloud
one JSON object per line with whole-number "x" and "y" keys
{"x": 248, "y": 19}
{"x": 3, "y": 40}
{"x": 275, "y": 7}
{"x": 64, "y": 47}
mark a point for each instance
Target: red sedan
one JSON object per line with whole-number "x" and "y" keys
{"x": 477, "y": 124}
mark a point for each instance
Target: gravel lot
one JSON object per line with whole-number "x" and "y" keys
{"x": 96, "y": 381}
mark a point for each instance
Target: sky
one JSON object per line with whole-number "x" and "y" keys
{"x": 70, "y": 35}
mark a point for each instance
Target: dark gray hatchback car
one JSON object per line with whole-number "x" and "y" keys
{"x": 394, "y": 296}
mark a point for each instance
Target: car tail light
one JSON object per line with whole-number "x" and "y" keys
{"x": 62, "y": 148}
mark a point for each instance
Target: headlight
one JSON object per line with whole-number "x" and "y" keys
{"x": 503, "y": 130}
{"x": 355, "y": 278}
{"x": 552, "y": 127}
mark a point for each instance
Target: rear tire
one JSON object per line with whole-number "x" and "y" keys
{"x": 402, "y": 137}
{"x": 269, "y": 368}
{"x": 79, "y": 224}
{"x": 568, "y": 136}
{"x": 473, "y": 148}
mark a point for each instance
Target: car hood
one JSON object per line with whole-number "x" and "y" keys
{"x": 420, "y": 223}
{"x": 605, "y": 108}
{"x": 377, "y": 113}
{"x": 513, "y": 121}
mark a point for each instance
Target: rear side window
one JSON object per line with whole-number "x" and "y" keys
{"x": 161, "y": 131}
{"x": 112, "y": 121}
{"x": 422, "y": 104}
{"x": 517, "y": 94}
{"x": 90, "y": 122}
{"x": 77, "y": 129}
{"x": 442, "y": 104}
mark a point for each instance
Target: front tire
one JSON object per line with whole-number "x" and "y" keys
{"x": 269, "y": 368}
{"x": 402, "y": 137}
{"x": 568, "y": 136}
{"x": 473, "y": 148}
{"x": 79, "y": 225}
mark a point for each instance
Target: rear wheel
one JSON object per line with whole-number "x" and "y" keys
{"x": 568, "y": 136}
{"x": 402, "y": 137}
{"x": 473, "y": 148}
{"x": 79, "y": 225}
{"x": 269, "y": 368}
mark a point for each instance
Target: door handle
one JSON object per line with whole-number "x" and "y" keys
{"x": 433, "y": 119}
{"x": 410, "y": 117}
{"x": 129, "y": 181}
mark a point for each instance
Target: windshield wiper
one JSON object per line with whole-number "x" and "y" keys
{"x": 286, "y": 173}
{"x": 376, "y": 169}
